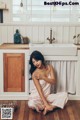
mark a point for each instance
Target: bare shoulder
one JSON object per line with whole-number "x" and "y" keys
{"x": 50, "y": 66}
{"x": 35, "y": 73}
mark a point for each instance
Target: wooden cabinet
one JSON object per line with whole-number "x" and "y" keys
{"x": 14, "y": 72}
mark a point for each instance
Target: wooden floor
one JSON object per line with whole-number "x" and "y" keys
{"x": 70, "y": 112}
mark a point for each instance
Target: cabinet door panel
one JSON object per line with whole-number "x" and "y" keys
{"x": 13, "y": 72}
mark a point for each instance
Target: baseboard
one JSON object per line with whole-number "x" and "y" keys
{"x": 18, "y": 97}
{"x": 74, "y": 97}
{"x": 25, "y": 97}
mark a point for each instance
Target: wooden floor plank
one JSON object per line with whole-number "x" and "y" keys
{"x": 51, "y": 115}
{"x": 26, "y": 112}
{"x": 65, "y": 115}
{"x": 56, "y": 116}
{"x": 32, "y": 114}
{"x": 21, "y": 113}
{"x": 16, "y": 113}
{"x": 77, "y": 108}
{"x": 61, "y": 115}
{"x": 38, "y": 116}
{"x": 70, "y": 112}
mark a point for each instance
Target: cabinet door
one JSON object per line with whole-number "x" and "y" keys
{"x": 14, "y": 72}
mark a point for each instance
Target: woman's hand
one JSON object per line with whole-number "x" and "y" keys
{"x": 40, "y": 76}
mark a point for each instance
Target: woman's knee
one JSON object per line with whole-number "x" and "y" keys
{"x": 31, "y": 103}
{"x": 65, "y": 94}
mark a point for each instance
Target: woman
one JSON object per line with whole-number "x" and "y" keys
{"x": 43, "y": 76}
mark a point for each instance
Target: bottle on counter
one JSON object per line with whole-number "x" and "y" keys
{"x": 17, "y": 37}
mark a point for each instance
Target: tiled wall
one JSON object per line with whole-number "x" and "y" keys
{"x": 39, "y": 32}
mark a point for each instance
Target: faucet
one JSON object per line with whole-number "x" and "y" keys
{"x": 51, "y": 39}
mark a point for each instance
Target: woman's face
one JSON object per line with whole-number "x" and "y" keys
{"x": 36, "y": 63}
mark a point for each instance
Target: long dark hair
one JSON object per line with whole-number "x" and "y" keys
{"x": 37, "y": 56}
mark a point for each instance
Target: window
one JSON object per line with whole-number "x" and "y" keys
{"x": 36, "y": 11}
{"x": 1, "y": 16}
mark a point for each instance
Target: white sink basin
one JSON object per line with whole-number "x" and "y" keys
{"x": 55, "y": 49}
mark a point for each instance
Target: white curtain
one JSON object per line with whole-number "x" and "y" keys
{"x": 65, "y": 75}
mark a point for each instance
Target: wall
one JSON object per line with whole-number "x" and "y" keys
{"x": 63, "y": 33}
{"x": 7, "y": 14}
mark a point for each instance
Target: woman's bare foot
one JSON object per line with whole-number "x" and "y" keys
{"x": 47, "y": 110}
{"x": 37, "y": 109}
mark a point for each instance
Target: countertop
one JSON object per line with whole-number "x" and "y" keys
{"x": 21, "y": 46}
{"x": 14, "y": 46}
